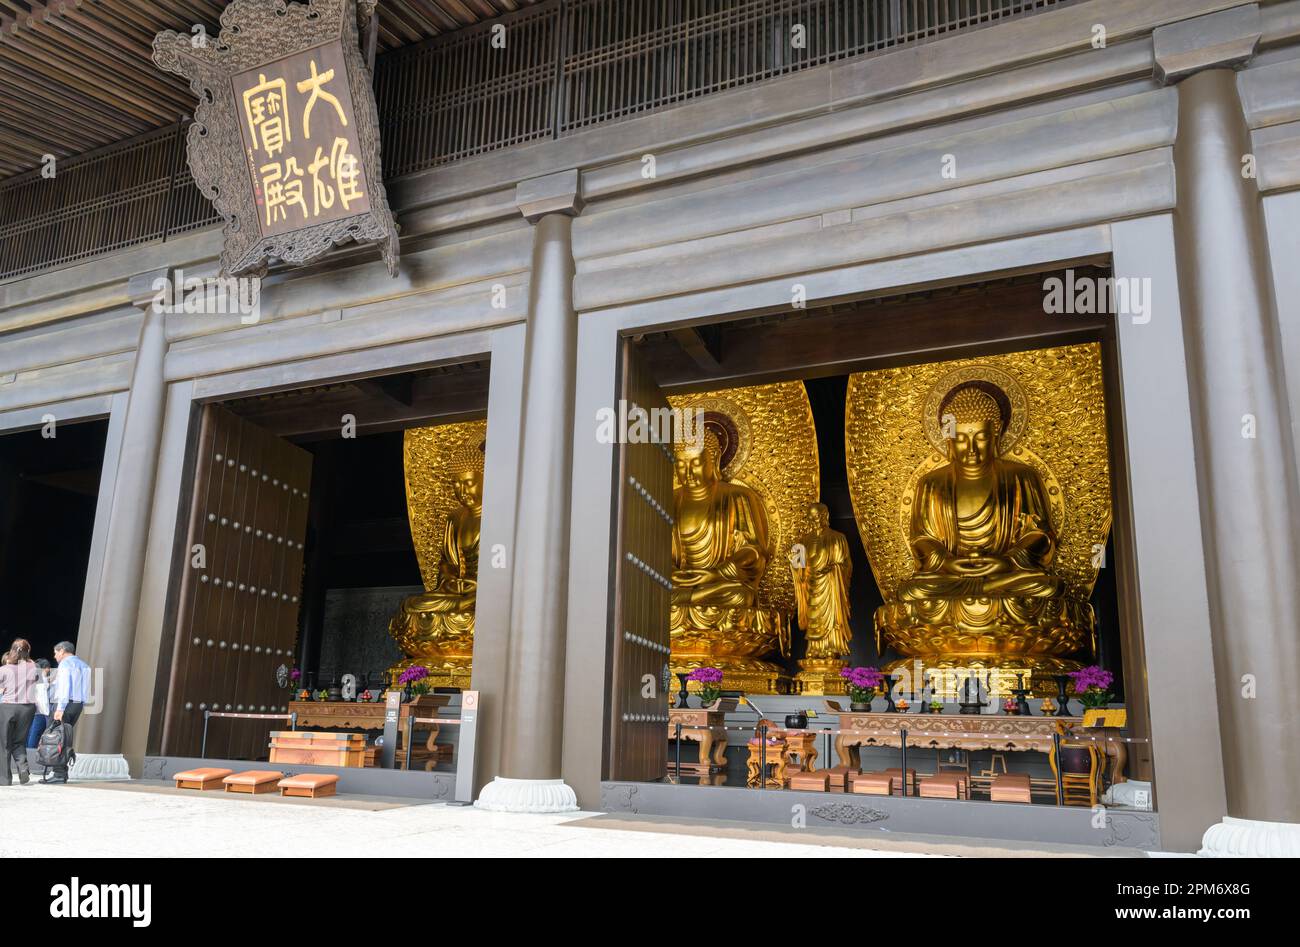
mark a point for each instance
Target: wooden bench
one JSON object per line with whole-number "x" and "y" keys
{"x": 254, "y": 781}
{"x": 310, "y": 785}
{"x": 810, "y": 782}
{"x": 839, "y": 777}
{"x": 872, "y": 784}
{"x": 1011, "y": 787}
{"x": 941, "y": 786}
{"x": 201, "y": 779}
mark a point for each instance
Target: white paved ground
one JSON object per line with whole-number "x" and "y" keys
{"x": 91, "y": 821}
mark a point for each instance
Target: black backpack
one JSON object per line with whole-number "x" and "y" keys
{"x": 52, "y": 749}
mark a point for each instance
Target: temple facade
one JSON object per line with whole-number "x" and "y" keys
{"x": 937, "y": 196}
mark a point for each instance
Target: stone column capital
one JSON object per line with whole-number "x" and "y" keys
{"x": 1224, "y": 40}
{"x": 559, "y": 193}
{"x": 142, "y": 288}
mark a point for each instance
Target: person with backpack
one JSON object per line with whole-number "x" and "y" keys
{"x": 71, "y": 690}
{"x": 18, "y": 677}
{"x": 44, "y": 687}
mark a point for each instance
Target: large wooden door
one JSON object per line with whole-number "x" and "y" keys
{"x": 237, "y": 619}
{"x": 640, "y": 684}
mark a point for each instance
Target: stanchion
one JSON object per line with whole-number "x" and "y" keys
{"x": 1060, "y": 785}
{"x": 902, "y": 742}
{"x": 208, "y": 715}
{"x": 679, "y": 750}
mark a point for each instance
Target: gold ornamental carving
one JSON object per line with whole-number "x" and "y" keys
{"x": 444, "y": 496}
{"x": 753, "y": 481}
{"x": 981, "y": 488}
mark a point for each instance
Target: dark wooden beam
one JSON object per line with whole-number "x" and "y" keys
{"x": 703, "y": 344}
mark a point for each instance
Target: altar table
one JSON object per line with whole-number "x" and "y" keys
{"x": 945, "y": 732}
{"x": 704, "y": 727}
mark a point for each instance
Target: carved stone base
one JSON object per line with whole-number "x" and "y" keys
{"x": 99, "y": 766}
{"x": 820, "y": 677}
{"x": 1249, "y": 838}
{"x": 527, "y": 795}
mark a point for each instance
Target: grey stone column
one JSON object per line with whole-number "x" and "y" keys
{"x": 1249, "y": 494}
{"x": 99, "y": 740}
{"x": 532, "y": 715}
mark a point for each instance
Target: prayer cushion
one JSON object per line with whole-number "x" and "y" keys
{"x": 202, "y": 778}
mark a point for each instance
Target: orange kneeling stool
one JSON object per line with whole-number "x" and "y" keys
{"x": 201, "y": 779}
{"x": 254, "y": 781}
{"x": 1011, "y": 787}
{"x": 310, "y": 785}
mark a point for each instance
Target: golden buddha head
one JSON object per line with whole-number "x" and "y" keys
{"x": 465, "y": 473}
{"x": 975, "y": 426}
{"x": 821, "y": 515}
{"x": 698, "y": 460}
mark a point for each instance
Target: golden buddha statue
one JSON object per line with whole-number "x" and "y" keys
{"x": 436, "y": 628}
{"x": 822, "y": 569}
{"x": 981, "y": 525}
{"x": 720, "y": 552}
{"x": 982, "y": 593}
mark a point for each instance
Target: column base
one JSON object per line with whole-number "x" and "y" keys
{"x": 99, "y": 766}
{"x": 527, "y": 795}
{"x": 1250, "y": 838}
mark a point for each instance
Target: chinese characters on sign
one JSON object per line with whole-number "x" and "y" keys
{"x": 299, "y": 135}
{"x": 285, "y": 139}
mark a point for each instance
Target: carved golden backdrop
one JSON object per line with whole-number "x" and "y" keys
{"x": 436, "y": 629}
{"x": 1053, "y": 420}
{"x": 769, "y": 444}
{"x": 429, "y": 494}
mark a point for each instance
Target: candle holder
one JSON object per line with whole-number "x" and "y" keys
{"x": 1022, "y": 697}
{"x": 1062, "y": 698}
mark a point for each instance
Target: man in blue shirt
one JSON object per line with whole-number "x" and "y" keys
{"x": 71, "y": 691}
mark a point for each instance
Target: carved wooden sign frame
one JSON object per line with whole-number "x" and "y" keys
{"x": 255, "y": 36}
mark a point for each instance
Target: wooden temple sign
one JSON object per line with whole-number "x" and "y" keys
{"x": 285, "y": 140}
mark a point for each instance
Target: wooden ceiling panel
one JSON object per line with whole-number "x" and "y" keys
{"x": 76, "y": 75}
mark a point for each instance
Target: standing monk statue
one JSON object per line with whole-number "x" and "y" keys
{"x": 821, "y": 587}
{"x": 821, "y": 569}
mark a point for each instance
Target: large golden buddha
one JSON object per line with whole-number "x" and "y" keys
{"x": 436, "y": 628}
{"x": 721, "y": 550}
{"x": 981, "y": 525}
{"x": 982, "y": 593}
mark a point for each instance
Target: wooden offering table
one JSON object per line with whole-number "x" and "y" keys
{"x": 704, "y": 727}
{"x": 358, "y": 715}
{"x": 946, "y": 731}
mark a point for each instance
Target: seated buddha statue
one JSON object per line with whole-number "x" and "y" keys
{"x": 720, "y": 545}
{"x": 982, "y": 593}
{"x": 720, "y": 552}
{"x": 981, "y": 525}
{"x": 436, "y": 628}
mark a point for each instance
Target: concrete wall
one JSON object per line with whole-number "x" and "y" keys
{"x": 831, "y": 178}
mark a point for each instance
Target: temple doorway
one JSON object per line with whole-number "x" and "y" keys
{"x": 313, "y": 576}
{"x": 820, "y": 527}
{"x": 49, "y": 489}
